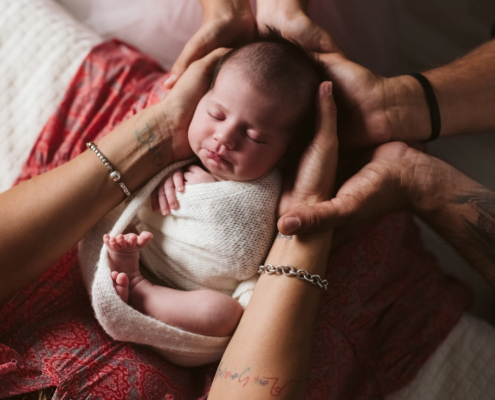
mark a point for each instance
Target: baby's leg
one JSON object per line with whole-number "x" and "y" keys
{"x": 205, "y": 312}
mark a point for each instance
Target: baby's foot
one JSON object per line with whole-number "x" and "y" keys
{"x": 121, "y": 285}
{"x": 123, "y": 256}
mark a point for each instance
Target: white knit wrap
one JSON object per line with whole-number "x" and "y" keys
{"x": 216, "y": 240}
{"x": 218, "y": 237}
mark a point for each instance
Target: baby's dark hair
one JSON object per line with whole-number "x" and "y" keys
{"x": 282, "y": 67}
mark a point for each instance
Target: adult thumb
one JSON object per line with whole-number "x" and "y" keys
{"x": 319, "y": 217}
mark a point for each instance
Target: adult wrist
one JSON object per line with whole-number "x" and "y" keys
{"x": 309, "y": 252}
{"x": 277, "y": 12}
{"x": 425, "y": 179}
{"x": 407, "y": 109}
{"x": 141, "y": 147}
{"x": 225, "y": 9}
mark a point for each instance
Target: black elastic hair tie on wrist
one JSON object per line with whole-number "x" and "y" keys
{"x": 431, "y": 100}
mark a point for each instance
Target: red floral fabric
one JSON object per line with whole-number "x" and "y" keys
{"x": 386, "y": 310}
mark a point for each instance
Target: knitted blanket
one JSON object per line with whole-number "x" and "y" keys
{"x": 218, "y": 246}
{"x": 217, "y": 238}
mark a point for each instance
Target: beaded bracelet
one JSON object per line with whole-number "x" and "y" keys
{"x": 114, "y": 174}
{"x": 289, "y": 270}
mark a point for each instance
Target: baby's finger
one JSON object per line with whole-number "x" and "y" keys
{"x": 194, "y": 168}
{"x": 155, "y": 205}
{"x": 178, "y": 178}
{"x": 162, "y": 200}
{"x": 170, "y": 193}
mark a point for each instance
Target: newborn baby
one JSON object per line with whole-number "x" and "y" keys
{"x": 260, "y": 110}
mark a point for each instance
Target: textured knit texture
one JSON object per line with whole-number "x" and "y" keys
{"x": 218, "y": 237}
{"x": 121, "y": 321}
{"x": 237, "y": 234}
{"x": 41, "y": 48}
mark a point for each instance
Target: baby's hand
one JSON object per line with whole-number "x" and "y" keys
{"x": 195, "y": 174}
{"x": 163, "y": 198}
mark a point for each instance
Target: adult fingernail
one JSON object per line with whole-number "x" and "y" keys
{"x": 171, "y": 79}
{"x": 329, "y": 88}
{"x": 291, "y": 224}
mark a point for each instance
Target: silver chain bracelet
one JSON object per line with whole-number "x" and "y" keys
{"x": 114, "y": 174}
{"x": 289, "y": 270}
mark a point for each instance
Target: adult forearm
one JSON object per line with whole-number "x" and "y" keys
{"x": 45, "y": 216}
{"x": 458, "y": 208}
{"x": 269, "y": 354}
{"x": 465, "y": 91}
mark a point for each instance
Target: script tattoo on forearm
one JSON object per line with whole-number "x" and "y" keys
{"x": 147, "y": 137}
{"x": 246, "y": 377}
{"x": 483, "y": 203}
{"x": 280, "y": 236}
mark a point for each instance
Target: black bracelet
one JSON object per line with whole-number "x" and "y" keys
{"x": 431, "y": 100}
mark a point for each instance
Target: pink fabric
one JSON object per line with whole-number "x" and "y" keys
{"x": 387, "y": 308}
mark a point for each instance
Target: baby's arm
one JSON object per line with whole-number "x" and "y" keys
{"x": 163, "y": 197}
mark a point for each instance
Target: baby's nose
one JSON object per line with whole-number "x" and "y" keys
{"x": 227, "y": 136}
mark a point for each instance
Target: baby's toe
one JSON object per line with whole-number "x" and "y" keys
{"x": 144, "y": 238}
{"x": 110, "y": 242}
{"x": 120, "y": 239}
{"x": 122, "y": 279}
{"x": 131, "y": 239}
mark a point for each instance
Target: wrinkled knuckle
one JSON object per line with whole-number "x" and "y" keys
{"x": 313, "y": 222}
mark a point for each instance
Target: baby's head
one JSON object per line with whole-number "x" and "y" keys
{"x": 261, "y": 104}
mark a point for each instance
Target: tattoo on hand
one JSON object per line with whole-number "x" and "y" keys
{"x": 484, "y": 228}
{"x": 244, "y": 378}
{"x": 147, "y": 137}
{"x": 280, "y": 236}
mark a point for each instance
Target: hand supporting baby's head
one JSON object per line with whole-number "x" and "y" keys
{"x": 260, "y": 106}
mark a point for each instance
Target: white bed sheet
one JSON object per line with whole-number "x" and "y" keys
{"x": 41, "y": 48}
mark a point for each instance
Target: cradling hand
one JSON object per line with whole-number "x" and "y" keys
{"x": 362, "y": 103}
{"x": 291, "y": 20}
{"x": 225, "y": 23}
{"x": 381, "y": 186}
{"x": 175, "y": 112}
{"x": 164, "y": 199}
{"x": 313, "y": 181}
{"x": 372, "y": 109}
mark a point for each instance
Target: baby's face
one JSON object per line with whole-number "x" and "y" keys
{"x": 238, "y": 132}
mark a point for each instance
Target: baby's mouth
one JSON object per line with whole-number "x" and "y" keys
{"x": 214, "y": 156}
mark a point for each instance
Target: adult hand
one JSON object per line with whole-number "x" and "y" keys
{"x": 381, "y": 187}
{"x": 373, "y": 109}
{"x": 291, "y": 20}
{"x": 313, "y": 181}
{"x": 178, "y": 107}
{"x": 225, "y": 23}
